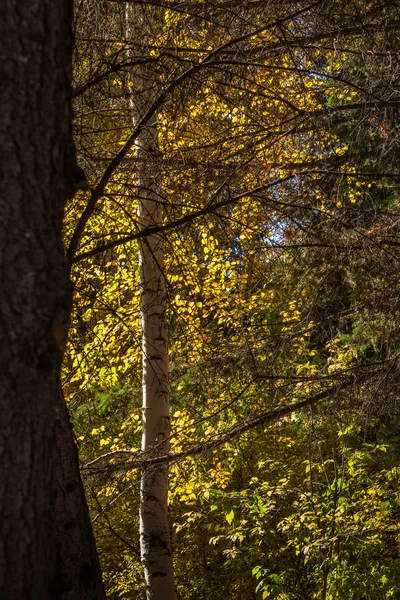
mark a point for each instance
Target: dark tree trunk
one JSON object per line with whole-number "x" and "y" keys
{"x": 46, "y": 545}
{"x": 81, "y": 574}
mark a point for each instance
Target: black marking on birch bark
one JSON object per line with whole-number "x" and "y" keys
{"x": 156, "y": 542}
{"x": 151, "y": 498}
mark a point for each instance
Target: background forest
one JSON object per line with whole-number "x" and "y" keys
{"x": 242, "y": 161}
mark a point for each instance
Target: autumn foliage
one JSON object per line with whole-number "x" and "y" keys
{"x": 278, "y": 132}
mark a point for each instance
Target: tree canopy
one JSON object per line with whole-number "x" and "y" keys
{"x": 239, "y": 239}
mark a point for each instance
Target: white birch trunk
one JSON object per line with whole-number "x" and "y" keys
{"x": 155, "y": 545}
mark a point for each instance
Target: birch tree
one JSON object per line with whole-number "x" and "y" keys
{"x": 155, "y": 545}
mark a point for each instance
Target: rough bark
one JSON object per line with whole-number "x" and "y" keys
{"x": 37, "y": 172}
{"x": 155, "y": 544}
{"x": 81, "y": 573}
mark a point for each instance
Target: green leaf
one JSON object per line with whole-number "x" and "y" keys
{"x": 230, "y": 516}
